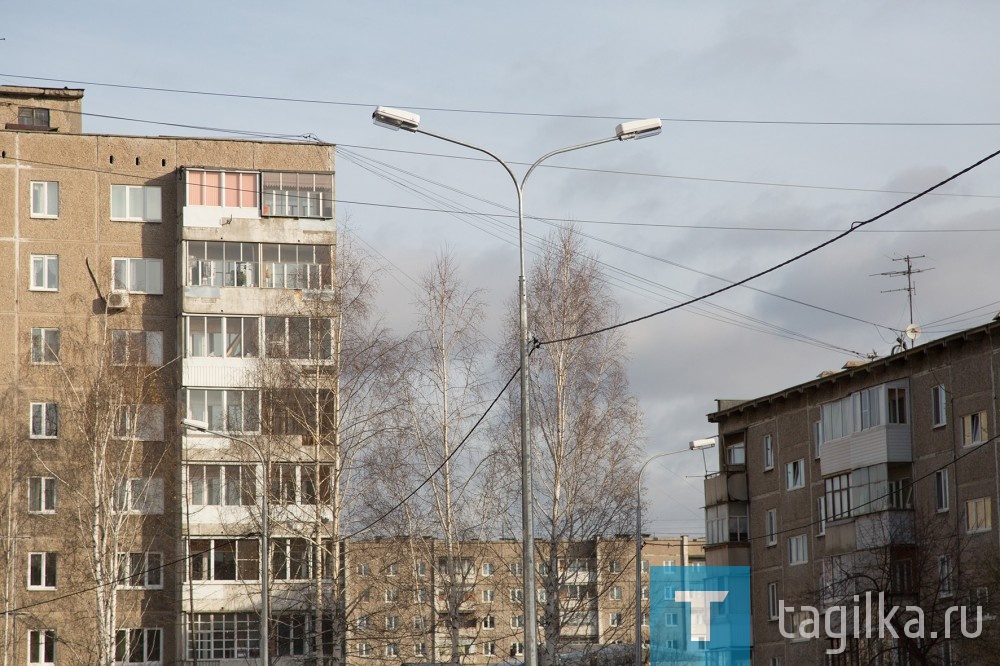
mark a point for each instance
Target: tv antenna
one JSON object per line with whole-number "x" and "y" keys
{"x": 912, "y": 331}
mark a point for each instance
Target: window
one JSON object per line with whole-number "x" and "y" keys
{"x": 795, "y": 475}
{"x": 297, "y": 194}
{"x": 939, "y": 406}
{"x": 364, "y": 570}
{"x": 615, "y": 566}
{"x": 42, "y": 646}
{"x": 137, "y": 275}
{"x": 838, "y": 497}
{"x": 869, "y": 490}
{"x": 44, "y": 420}
{"x": 222, "y": 337}
{"x": 517, "y": 649}
{"x": 490, "y": 649}
{"x": 226, "y": 410}
{"x": 45, "y": 345}
{"x": 896, "y": 398}
{"x": 821, "y": 512}
{"x": 363, "y": 623}
{"x": 772, "y": 601}
{"x": 140, "y": 570}
{"x": 645, "y": 619}
{"x": 45, "y": 199}
{"x": 224, "y": 559}
{"x": 392, "y": 622}
{"x": 291, "y": 634}
{"x": 517, "y": 596}
{"x": 616, "y": 593}
{"x": 644, "y": 593}
{"x": 222, "y": 485}
{"x": 392, "y": 569}
{"x": 32, "y": 116}
{"x": 44, "y": 272}
{"x": 42, "y": 571}
{"x": 234, "y": 189}
{"x": 736, "y": 454}
{"x": 488, "y": 569}
{"x": 974, "y": 430}
{"x": 298, "y": 337}
{"x": 489, "y": 622}
{"x": 768, "y": 452}
{"x": 644, "y": 566}
{"x": 135, "y": 203}
{"x": 223, "y": 264}
{"x": 224, "y": 636}
{"x": 978, "y": 515}
{"x": 488, "y": 596}
{"x": 290, "y": 559}
{"x": 771, "y": 527}
{"x": 420, "y": 568}
{"x": 42, "y": 494}
{"x": 296, "y": 484}
{"x": 140, "y": 496}
{"x": 420, "y": 649}
{"x": 288, "y": 266}
{"x": 941, "y": 496}
{"x": 420, "y": 596}
{"x": 517, "y": 621}
{"x": 364, "y": 650}
{"x": 392, "y": 594}
{"x": 818, "y": 438}
{"x": 136, "y": 347}
{"x": 140, "y": 422}
{"x": 670, "y": 619}
{"x": 944, "y": 576}
{"x": 615, "y": 619}
{"x": 798, "y": 549}
{"x": 138, "y": 646}
{"x": 901, "y": 494}
{"x": 516, "y": 568}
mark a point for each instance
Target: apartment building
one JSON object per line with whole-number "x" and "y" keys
{"x": 879, "y": 478}
{"x": 151, "y": 279}
{"x": 411, "y": 601}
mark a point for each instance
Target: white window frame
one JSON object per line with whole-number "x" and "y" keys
{"x": 47, "y": 562}
{"x": 978, "y": 515}
{"x": 821, "y": 512}
{"x": 150, "y": 636}
{"x": 798, "y": 549}
{"x": 615, "y": 566}
{"x": 140, "y": 495}
{"x": 43, "y": 493}
{"x": 151, "y": 204}
{"x": 420, "y": 569}
{"x": 942, "y": 496}
{"x": 516, "y": 569}
{"x": 42, "y": 272}
{"x": 615, "y": 619}
{"x": 517, "y": 621}
{"x": 364, "y": 649}
{"x": 140, "y": 570}
{"x": 143, "y": 423}
{"x": 487, "y": 569}
{"x": 771, "y": 527}
{"x": 48, "y": 420}
{"x": 489, "y": 622}
{"x": 391, "y": 622}
{"x": 772, "y": 601}
{"x": 489, "y": 596}
{"x": 516, "y": 596}
{"x": 46, "y": 187}
{"x": 125, "y": 275}
{"x": 975, "y": 429}
{"x": 45, "y": 343}
{"x": 42, "y": 647}
{"x": 392, "y": 569}
{"x": 136, "y": 347}
{"x": 518, "y": 648}
{"x": 945, "y": 576}
{"x": 939, "y": 406}
{"x": 768, "y": 446}
{"x": 616, "y": 593}
{"x": 391, "y": 595}
{"x": 795, "y": 474}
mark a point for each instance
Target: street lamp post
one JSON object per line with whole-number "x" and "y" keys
{"x": 397, "y": 119}
{"x": 265, "y": 536}
{"x": 693, "y": 446}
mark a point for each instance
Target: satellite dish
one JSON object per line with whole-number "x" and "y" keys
{"x": 912, "y": 331}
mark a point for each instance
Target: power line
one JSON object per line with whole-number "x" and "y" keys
{"x": 854, "y": 227}
{"x": 526, "y": 114}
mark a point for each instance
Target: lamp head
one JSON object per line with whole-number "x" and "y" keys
{"x": 639, "y": 129}
{"x": 395, "y": 119}
{"x": 195, "y": 425}
{"x": 705, "y": 443}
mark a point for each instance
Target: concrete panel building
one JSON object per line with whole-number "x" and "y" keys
{"x": 879, "y": 478}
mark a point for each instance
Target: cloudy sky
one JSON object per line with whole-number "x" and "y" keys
{"x": 784, "y": 123}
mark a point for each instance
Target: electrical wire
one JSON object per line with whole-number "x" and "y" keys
{"x": 527, "y": 114}
{"x": 854, "y": 226}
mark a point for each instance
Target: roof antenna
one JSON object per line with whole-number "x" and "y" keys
{"x": 912, "y": 331}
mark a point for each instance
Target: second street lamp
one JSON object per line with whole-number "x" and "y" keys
{"x": 265, "y": 536}
{"x": 698, "y": 444}
{"x": 396, "y": 119}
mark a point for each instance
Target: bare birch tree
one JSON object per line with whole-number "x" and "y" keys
{"x": 586, "y": 429}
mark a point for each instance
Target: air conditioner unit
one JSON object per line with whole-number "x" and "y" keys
{"x": 118, "y": 299}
